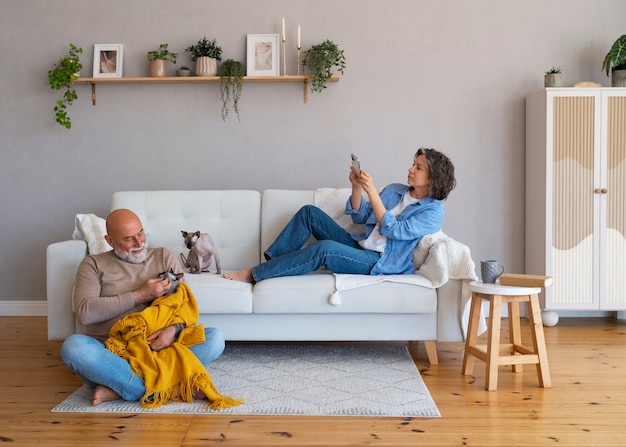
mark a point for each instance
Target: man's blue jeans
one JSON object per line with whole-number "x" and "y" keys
{"x": 334, "y": 249}
{"x": 96, "y": 365}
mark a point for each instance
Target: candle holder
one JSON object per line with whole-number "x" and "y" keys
{"x": 284, "y": 58}
{"x": 298, "y": 60}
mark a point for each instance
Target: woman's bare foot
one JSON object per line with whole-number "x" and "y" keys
{"x": 241, "y": 275}
{"x": 103, "y": 394}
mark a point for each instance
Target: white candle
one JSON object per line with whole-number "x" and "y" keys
{"x": 298, "y": 36}
{"x": 284, "y": 29}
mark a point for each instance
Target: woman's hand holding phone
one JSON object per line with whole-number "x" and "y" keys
{"x": 356, "y": 165}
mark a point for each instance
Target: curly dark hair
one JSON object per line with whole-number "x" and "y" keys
{"x": 441, "y": 172}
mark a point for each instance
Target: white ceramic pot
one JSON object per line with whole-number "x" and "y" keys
{"x": 206, "y": 66}
{"x": 618, "y": 77}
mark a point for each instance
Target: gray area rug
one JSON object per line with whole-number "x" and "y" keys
{"x": 319, "y": 380}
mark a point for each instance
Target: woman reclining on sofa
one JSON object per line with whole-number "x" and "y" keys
{"x": 395, "y": 221}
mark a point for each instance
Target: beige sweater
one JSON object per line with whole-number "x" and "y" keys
{"x": 104, "y": 285}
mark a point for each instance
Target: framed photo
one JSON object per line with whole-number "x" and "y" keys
{"x": 263, "y": 51}
{"x": 108, "y": 60}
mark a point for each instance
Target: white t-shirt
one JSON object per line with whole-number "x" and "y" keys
{"x": 377, "y": 241}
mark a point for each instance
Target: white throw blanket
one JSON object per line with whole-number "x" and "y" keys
{"x": 437, "y": 258}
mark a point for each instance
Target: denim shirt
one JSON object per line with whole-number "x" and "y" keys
{"x": 403, "y": 231}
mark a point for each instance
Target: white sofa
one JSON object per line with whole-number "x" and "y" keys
{"x": 242, "y": 224}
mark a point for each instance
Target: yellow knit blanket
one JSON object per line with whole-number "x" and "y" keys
{"x": 171, "y": 374}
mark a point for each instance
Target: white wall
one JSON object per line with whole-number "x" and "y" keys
{"x": 449, "y": 74}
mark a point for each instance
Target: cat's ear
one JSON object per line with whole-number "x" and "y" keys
{"x": 179, "y": 275}
{"x": 171, "y": 270}
{"x": 184, "y": 233}
{"x": 197, "y": 234}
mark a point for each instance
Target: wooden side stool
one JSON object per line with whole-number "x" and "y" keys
{"x": 513, "y": 353}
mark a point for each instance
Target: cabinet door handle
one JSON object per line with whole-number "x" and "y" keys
{"x": 601, "y": 190}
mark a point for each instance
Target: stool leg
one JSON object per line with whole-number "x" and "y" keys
{"x": 493, "y": 344}
{"x": 539, "y": 342}
{"x": 472, "y": 334}
{"x": 515, "y": 332}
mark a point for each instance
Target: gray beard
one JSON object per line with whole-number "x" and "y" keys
{"x": 134, "y": 257}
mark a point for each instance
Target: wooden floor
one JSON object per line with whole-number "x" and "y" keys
{"x": 585, "y": 407}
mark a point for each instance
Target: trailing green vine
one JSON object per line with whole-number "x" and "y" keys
{"x": 320, "y": 60}
{"x": 63, "y": 75}
{"x": 231, "y": 85}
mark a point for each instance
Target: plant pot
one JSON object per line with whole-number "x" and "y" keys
{"x": 182, "y": 73}
{"x": 553, "y": 80}
{"x": 206, "y": 66}
{"x": 618, "y": 76}
{"x": 158, "y": 68}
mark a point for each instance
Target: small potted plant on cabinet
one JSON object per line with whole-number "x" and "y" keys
{"x": 320, "y": 60}
{"x": 183, "y": 71}
{"x": 158, "y": 60}
{"x": 553, "y": 77}
{"x": 615, "y": 62}
{"x": 206, "y": 54}
{"x": 231, "y": 84}
{"x": 63, "y": 75}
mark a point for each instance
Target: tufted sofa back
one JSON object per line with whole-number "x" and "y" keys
{"x": 231, "y": 217}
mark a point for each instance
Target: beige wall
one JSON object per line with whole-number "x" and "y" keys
{"x": 450, "y": 74}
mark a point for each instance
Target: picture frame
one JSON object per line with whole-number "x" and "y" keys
{"x": 263, "y": 55}
{"x": 108, "y": 60}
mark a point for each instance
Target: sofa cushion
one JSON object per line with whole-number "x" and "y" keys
{"x": 217, "y": 295}
{"x": 310, "y": 294}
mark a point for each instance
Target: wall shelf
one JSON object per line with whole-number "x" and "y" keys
{"x": 194, "y": 80}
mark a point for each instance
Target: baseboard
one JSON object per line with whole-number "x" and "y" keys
{"x": 23, "y": 308}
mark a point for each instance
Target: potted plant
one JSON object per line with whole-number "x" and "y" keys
{"x": 63, "y": 75}
{"x": 320, "y": 60}
{"x": 553, "y": 77}
{"x": 615, "y": 61}
{"x": 183, "y": 71}
{"x": 231, "y": 84}
{"x": 158, "y": 60}
{"x": 206, "y": 54}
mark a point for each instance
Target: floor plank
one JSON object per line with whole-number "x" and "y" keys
{"x": 585, "y": 406}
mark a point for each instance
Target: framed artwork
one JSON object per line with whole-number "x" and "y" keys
{"x": 108, "y": 60}
{"x": 262, "y": 57}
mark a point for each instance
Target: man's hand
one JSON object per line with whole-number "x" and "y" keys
{"x": 152, "y": 289}
{"x": 163, "y": 338}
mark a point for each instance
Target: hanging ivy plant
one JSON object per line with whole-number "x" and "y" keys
{"x": 231, "y": 85}
{"x": 320, "y": 60}
{"x": 63, "y": 75}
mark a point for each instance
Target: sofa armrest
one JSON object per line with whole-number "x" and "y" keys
{"x": 62, "y": 261}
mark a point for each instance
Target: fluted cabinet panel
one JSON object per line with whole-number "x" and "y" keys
{"x": 616, "y": 200}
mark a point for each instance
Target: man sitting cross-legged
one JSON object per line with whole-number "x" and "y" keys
{"x": 112, "y": 285}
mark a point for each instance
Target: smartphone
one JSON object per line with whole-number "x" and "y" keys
{"x": 356, "y": 164}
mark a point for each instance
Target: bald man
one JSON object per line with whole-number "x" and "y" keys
{"x": 114, "y": 284}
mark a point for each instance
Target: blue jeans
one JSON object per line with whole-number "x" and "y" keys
{"x": 96, "y": 365}
{"x": 334, "y": 249}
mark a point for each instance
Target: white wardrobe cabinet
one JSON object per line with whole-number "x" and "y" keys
{"x": 576, "y": 196}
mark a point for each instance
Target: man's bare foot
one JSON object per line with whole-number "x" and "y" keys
{"x": 103, "y": 394}
{"x": 241, "y": 275}
{"x": 198, "y": 395}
